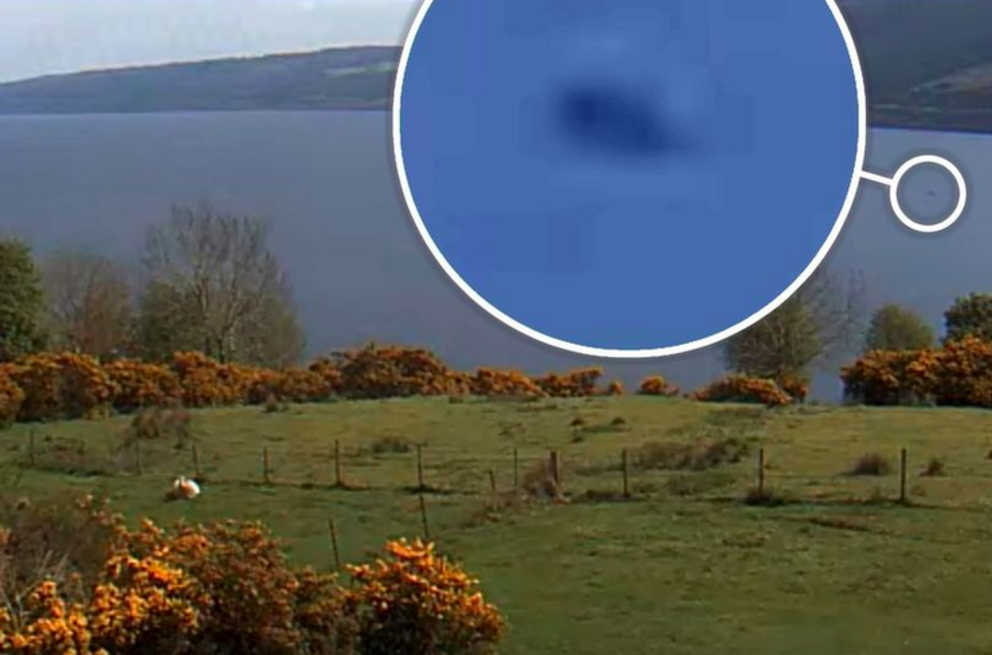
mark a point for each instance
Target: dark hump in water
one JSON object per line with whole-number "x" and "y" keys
{"x": 613, "y": 120}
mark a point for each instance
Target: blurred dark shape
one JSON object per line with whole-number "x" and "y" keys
{"x": 613, "y": 120}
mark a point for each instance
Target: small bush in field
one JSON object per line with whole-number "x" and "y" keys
{"x": 935, "y": 468}
{"x": 391, "y": 444}
{"x": 871, "y": 464}
{"x": 273, "y": 405}
{"x": 156, "y": 424}
{"x": 696, "y": 456}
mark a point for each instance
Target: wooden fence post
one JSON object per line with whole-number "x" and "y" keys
{"x": 266, "y": 472}
{"x": 423, "y": 517}
{"x": 32, "y": 460}
{"x": 334, "y": 543}
{"x": 516, "y": 475}
{"x": 623, "y": 467}
{"x": 420, "y": 468}
{"x": 338, "y": 482}
{"x": 902, "y": 476}
{"x": 761, "y": 471}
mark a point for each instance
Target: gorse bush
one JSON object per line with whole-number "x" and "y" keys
{"x": 657, "y": 385}
{"x": 142, "y": 385}
{"x": 743, "y": 389}
{"x": 226, "y": 588}
{"x": 11, "y": 399}
{"x": 579, "y": 383}
{"x": 415, "y": 602}
{"x": 63, "y": 386}
{"x": 959, "y": 374}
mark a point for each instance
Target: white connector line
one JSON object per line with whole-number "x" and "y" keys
{"x": 878, "y": 179}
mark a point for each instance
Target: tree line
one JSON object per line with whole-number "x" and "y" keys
{"x": 206, "y": 281}
{"x": 824, "y": 320}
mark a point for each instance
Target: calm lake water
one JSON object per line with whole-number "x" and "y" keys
{"x": 360, "y": 271}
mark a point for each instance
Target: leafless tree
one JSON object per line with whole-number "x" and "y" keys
{"x": 89, "y": 302}
{"x": 217, "y": 276}
{"x": 812, "y": 329}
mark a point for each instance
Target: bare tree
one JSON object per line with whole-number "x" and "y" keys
{"x": 216, "y": 272}
{"x": 89, "y": 302}
{"x": 814, "y": 327}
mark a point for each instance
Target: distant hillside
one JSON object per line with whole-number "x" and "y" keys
{"x": 927, "y": 63}
{"x": 340, "y": 78}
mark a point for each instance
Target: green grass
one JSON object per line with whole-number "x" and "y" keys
{"x": 682, "y": 567}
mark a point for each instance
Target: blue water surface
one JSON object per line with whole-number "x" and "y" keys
{"x": 627, "y": 175}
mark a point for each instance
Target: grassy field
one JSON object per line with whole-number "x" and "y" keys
{"x": 684, "y": 566}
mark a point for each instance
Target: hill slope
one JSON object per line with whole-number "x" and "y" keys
{"x": 340, "y": 78}
{"x": 682, "y": 568}
{"x": 927, "y": 63}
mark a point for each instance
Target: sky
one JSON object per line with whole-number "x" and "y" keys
{"x": 40, "y": 37}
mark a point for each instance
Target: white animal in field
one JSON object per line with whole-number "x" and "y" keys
{"x": 185, "y": 488}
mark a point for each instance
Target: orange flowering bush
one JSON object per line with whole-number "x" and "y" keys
{"x": 227, "y": 588}
{"x": 573, "y": 384}
{"x": 302, "y": 386}
{"x": 657, "y": 385}
{"x": 208, "y": 383}
{"x": 892, "y": 377}
{"x": 416, "y": 602}
{"x": 493, "y": 382}
{"x": 11, "y": 398}
{"x": 329, "y": 371}
{"x": 142, "y": 385}
{"x": 221, "y": 588}
{"x": 391, "y": 371}
{"x": 795, "y": 387}
{"x": 66, "y": 385}
{"x": 615, "y": 388}
{"x": 962, "y": 373}
{"x": 743, "y": 389}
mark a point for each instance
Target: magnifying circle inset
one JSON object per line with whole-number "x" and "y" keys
{"x": 958, "y": 179}
{"x": 430, "y": 107}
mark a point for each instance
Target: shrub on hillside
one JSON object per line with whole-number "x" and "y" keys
{"x": 62, "y": 386}
{"x": 392, "y": 371}
{"x": 573, "y": 384}
{"x": 498, "y": 383}
{"x": 222, "y": 588}
{"x": 11, "y": 399}
{"x": 743, "y": 389}
{"x": 139, "y": 384}
{"x": 892, "y": 377}
{"x": 963, "y": 373}
{"x": 302, "y": 386}
{"x": 657, "y": 385}
{"x": 208, "y": 383}
{"x": 615, "y": 388}
{"x": 415, "y": 602}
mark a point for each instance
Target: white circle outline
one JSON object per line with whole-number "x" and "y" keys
{"x": 958, "y": 179}
{"x": 647, "y": 353}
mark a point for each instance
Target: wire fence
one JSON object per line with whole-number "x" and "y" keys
{"x": 760, "y": 473}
